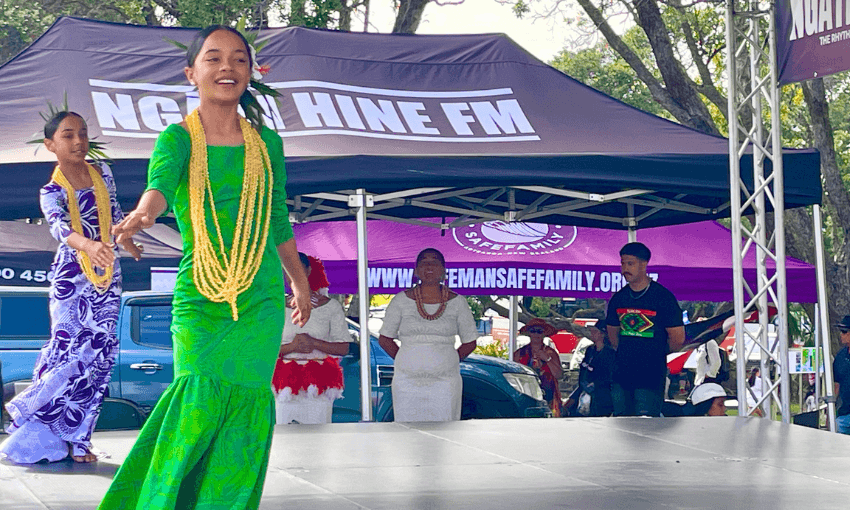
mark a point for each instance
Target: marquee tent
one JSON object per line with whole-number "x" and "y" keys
{"x": 532, "y": 259}
{"x": 388, "y": 113}
{"x": 407, "y": 127}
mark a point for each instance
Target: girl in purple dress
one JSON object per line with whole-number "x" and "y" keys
{"x": 55, "y": 416}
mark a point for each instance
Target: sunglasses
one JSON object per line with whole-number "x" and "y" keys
{"x": 536, "y": 330}
{"x": 843, "y": 331}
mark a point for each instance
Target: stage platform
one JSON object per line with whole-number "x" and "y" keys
{"x": 618, "y": 463}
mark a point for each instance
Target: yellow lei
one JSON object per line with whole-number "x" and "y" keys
{"x": 104, "y": 220}
{"x": 220, "y": 276}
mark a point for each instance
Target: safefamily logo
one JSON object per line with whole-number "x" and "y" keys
{"x": 503, "y": 238}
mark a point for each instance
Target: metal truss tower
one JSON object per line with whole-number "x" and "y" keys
{"x": 757, "y": 205}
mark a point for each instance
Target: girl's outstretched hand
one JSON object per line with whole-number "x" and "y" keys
{"x": 131, "y": 225}
{"x": 135, "y": 250}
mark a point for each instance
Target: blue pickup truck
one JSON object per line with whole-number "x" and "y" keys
{"x": 492, "y": 387}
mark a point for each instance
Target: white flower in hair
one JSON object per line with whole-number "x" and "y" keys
{"x": 257, "y": 71}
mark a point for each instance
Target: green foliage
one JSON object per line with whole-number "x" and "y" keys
{"x": 202, "y": 13}
{"x": 520, "y": 9}
{"x": 495, "y": 349}
{"x": 22, "y": 21}
{"x": 542, "y": 307}
{"x": 476, "y": 307}
{"x": 310, "y": 13}
{"x": 799, "y": 325}
{"x": 603, "y": 69}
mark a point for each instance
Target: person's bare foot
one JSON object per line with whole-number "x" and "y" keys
{"x": 83, "y": 459}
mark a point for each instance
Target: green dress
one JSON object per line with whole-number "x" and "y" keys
{"x": 206, "y": 443}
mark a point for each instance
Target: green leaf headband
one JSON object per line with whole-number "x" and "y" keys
{"x": 96, "y": 149}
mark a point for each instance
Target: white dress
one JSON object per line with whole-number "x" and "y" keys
{"x": 426, "y": 380}
{"x": 311, "y": 405}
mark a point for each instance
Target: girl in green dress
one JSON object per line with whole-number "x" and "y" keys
{"x": 206, "y": 443}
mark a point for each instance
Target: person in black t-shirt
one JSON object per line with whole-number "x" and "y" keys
{"x": 644, "y": 324}
{"x": 841, "y": 372}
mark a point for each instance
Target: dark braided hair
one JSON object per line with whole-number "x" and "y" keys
{"x": 253, "y": 111}
{"x": 53, "y": 124}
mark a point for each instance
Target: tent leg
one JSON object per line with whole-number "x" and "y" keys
{"x": 818, "y": 357}
{"x": 361, "y": 200}
{"x": 823, "y": 317}
{"x": 512, "y": 327}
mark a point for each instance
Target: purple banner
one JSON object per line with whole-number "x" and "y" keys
{"x": 813, "y": 38}
{"x": 535, "y": 259}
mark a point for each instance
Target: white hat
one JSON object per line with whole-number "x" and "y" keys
{"x": 706, "y": 391}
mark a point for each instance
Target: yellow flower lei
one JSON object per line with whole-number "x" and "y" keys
{"x": 221, "y": 277}
{"x": 104, "y": 220}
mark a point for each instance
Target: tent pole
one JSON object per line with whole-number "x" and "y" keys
{"x": 361, "y": 201}
{"x": 630, "y": 222}
{"x": 823, "y": 318}
{"x": 818, "y": 358}
{"x": 512, "y": 327}
{"x": 510, "y": 217}
{"x": 632, "y": 235}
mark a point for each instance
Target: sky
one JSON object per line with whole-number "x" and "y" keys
{"x": 542, "y": 39}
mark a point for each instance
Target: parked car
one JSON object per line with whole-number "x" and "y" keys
{"x": 24, "y": 328}
{"x": 492, "y": 388}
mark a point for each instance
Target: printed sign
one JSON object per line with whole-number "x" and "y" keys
{"x": 802, "y": 361}
{"x": 311, "y": 108}
{"x": 517, "y": 238}
{"x": 813, "y": 38}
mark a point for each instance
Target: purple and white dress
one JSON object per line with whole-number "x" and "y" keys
{"x": 73, "y": 370}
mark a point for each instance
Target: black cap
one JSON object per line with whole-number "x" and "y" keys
{"x": 638, "y": 250}
{"x": 844, "y": 324}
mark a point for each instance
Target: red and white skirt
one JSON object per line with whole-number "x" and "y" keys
{"x": 312, "y": 378}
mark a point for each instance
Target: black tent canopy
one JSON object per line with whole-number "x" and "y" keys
{"x": 468, "y": 125}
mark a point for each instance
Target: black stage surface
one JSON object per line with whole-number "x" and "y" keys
{"x": 631, "y": 463}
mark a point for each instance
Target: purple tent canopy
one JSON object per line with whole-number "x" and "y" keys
{"x": 533, "y": 259}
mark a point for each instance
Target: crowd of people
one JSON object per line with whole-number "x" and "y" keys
{"x": 223, "y": 178}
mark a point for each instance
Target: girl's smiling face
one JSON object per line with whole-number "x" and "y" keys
{"x": 222, "y": 69}
{"x": 70, "y": 142}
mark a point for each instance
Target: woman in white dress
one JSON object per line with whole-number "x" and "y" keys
{"x": 426, "y": 319}
{"x": 307, "y": 378}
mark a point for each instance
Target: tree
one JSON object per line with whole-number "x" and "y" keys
{"x": 24, "y": 21}
{"x": 683, "y": 75}
{"x": 603, "y": 69}
{"x": 409, "y": 15}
